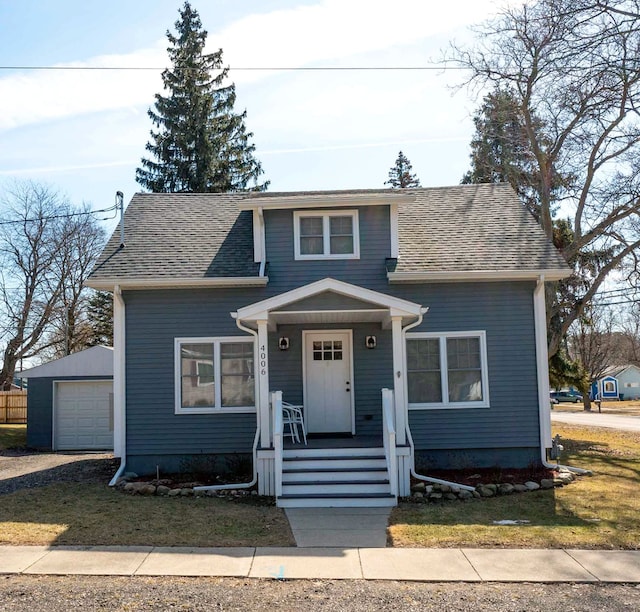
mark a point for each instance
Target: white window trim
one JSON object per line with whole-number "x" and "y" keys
{"x": 444, "y": 371}
{"x": 216, "y": 341}
{"x": 326, "y": 215}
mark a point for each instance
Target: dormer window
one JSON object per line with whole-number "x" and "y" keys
{"x": 326, "y": 234}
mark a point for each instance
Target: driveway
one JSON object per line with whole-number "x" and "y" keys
{"x": 27, "y": 470}
{"x": 597, "y": 419}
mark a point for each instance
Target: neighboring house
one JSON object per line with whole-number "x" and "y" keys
{"x": 605, "y": 388}
{"x": 410, "y": 324}
{"x": 70, "y": 402}
{"x": 624, "y": 380}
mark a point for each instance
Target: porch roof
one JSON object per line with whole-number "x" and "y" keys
{"x": 360, "y": 305}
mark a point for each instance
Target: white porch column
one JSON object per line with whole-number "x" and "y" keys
{"x": 119, "y": 388}
{"x": 263, "y": 384}
{"x": 398, "y": 380}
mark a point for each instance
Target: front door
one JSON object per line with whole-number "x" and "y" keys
{"x": 328, "y": 386}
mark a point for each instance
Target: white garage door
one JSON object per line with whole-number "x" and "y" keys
{"x": 84, "y": 415}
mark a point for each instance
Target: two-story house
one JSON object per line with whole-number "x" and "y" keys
{"x": 408, "y": 324}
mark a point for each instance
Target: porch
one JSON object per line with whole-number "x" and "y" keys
{"x": 334, "y": 471}
{"x": 309, "y": 342}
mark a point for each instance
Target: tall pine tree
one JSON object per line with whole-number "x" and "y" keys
{"x": 200, "y": 145}
{"x": 400, "y": 176}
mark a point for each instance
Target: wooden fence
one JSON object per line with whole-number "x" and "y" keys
{"x": 13, "y": 406}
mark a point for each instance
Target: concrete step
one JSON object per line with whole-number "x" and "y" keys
{"x": 342, "y": 501}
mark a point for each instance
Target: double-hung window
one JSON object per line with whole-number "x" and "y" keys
{"x": 447, "y": 370}
{"x": 326, "y": 234}
{"x": 214, "y": 375}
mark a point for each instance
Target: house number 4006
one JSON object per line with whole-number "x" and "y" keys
{"x": 263, "y": 361}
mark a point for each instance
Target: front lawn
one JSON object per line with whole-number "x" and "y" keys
{"x": 12, "y": 436}
{"x": 93, "y": 514}
{"x": 601, "y": 511}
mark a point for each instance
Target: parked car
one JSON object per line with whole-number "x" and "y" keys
{"x": 566, "y": 396}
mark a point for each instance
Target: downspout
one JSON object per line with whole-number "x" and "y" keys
{"x": 542, "y": 363}
{"x": 254, "y": 480}
{"x": 119, "y": 382}
{"x": 408, "y": 429}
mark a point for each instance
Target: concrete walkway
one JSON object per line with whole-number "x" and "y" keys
{"x": 339, "y": 527}
{"x": 421, "y": 564}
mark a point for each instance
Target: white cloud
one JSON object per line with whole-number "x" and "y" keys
{"x": 330, "y": 31}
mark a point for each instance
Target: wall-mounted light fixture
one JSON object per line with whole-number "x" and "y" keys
{"x": 370, "y": 342}
{"x": 283, "y": 344}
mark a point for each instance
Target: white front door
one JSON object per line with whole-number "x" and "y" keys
{"x": 328, "y": 387}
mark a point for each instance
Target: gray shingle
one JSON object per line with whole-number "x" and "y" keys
{"x": 471, "y": 228}
{"x": 459, "y": 228}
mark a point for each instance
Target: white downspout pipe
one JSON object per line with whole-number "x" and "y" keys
{"x": 254, "y": 480}
{"x": 542, "y": 363}
{"x": 406, "y": 408}
{"x": 119, "y": 389}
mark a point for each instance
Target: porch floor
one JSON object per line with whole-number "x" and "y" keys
{"x": 328, "y": 441}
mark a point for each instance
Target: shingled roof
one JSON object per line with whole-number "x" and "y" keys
{"x": 459, "y": 229}
{"x": 471, "y": 228}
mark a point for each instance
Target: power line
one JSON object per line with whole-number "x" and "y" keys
{"x": 61, "y": 216}
{"x": 246, "y": 68}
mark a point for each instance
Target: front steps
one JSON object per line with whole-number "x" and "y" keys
{"x": 338, "y": 477}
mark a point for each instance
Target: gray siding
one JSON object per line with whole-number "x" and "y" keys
{"x": 505, "y": 312}
{"x": 153, "y": 320}
{"x": 369, "y": 271}
{"x": 40, "y": 409}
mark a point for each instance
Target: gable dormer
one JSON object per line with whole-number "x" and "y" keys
{"x": 326, "y": 225}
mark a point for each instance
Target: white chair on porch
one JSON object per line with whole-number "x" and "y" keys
{"x": 292, "y": 416}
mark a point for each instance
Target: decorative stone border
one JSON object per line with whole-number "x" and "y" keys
{"x": 422, "y": 492}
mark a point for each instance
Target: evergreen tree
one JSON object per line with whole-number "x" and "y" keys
{"x": 501, "y": 151}
{"x": 400, "y": 176}
{"x": 100, "y": 319}
{"x": 200, "y": 145}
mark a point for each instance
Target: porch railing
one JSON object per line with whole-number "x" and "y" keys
{"x": 389, "y": 439}
{"x": 276, "y": 412}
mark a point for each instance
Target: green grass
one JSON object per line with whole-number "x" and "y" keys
{"x": 93, "y": 514}
{"x": 601, "y": 511}
{"x": 12, "y": 436}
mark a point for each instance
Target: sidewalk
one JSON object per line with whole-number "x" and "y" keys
{"x": 421, "y": 564}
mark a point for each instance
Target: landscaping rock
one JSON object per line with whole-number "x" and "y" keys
{"x": 174, "y": 492}
{"x": 162, "y": 490}
{"x": 186, "y": 492}
{"x": 435, "y": 496}
{"x": 520, "y": 488}
{"x": 485, "y": 491}
{"x": 419, "y": 487}
{"x": 147, "y": 489}
{"x": 418, "y": 494}
{"x": 464, "y": 494}
{"x": 546, "y": 483}
{"x": 506, "y": 489}
{"x": 531, "y": 486}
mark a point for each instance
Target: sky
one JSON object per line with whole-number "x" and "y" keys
{"x": 84, "y": 132}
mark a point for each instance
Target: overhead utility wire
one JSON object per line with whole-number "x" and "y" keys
{"x": 247, "y": 68}
{"x": 64, "y": 216}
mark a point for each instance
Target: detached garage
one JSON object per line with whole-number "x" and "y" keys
{"x": 70, "y": 402}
